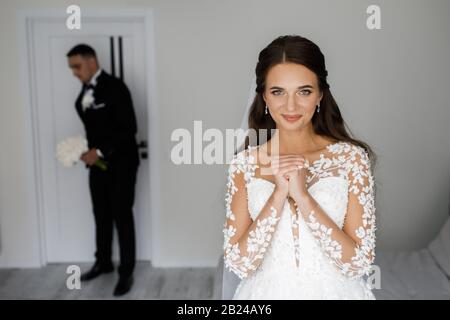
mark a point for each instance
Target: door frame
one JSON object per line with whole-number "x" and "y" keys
{"x": 35, "y": 200}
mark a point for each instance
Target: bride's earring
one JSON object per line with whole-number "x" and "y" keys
{"x": 318, "y": 108}
{"x": 267, "y": 110}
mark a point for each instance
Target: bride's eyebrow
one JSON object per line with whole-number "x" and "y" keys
{"x": 301, "y": 87}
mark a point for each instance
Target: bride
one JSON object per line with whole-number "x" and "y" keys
{"x": 300, "y": 214}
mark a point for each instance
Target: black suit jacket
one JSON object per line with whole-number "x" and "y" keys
{"x": 111, "y": 124}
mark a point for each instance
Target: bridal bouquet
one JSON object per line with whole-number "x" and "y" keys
{"x": 69, "y": 151}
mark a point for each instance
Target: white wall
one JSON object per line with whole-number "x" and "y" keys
{"x": 391, "y": 85}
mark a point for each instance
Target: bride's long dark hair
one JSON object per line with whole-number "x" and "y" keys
{"x": 296, "y": 49}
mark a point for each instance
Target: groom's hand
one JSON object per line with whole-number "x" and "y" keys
{"x": 90, "y": 157}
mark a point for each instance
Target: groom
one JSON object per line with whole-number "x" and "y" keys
{"x": 106, "y": 110}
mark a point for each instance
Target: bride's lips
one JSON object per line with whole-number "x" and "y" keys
{"x": 291, "y": 118}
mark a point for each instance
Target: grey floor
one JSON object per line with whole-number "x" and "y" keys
{"x": 49, "y": 282}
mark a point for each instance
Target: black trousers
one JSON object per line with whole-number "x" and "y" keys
{"x": 112, "y": 194}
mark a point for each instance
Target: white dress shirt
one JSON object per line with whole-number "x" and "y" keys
{"x": 93, "y": 82}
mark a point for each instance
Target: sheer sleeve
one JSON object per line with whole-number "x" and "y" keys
{"x": 352, "y": 248}
{"x": 246, "y": 240}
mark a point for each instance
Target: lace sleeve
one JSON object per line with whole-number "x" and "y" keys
{"x": 352, "y": 248}
{"x": 245, "y": 240}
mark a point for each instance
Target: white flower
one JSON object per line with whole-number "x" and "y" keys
{"x": 69, "y": 151}
{"x": 88, "y": 99}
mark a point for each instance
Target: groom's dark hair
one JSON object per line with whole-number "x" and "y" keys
{"x": 82, "y": 49}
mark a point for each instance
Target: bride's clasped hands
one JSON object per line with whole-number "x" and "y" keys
{"x": 290, "y": 176}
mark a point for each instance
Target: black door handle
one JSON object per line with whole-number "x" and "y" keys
{"x": 142, "y": 144}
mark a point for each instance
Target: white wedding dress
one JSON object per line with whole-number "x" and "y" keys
{"x": 288, "y": 257}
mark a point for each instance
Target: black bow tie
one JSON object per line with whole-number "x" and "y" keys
{"x": 88, "y": 86}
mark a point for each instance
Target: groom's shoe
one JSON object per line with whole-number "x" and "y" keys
{"x": 123, "y": 285}
{"x": 95, "y": 271}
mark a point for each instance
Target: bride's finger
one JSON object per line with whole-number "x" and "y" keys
{"x": 287, "y": 169}
{"x": 288, "y": 157}
{"x": 297, "y": 163}
{"x": 280, "y": 160}
{"x": 277, "y": 159}
{"x": 302, "y": 164}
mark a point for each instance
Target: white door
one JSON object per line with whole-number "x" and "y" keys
{"x": 68, "y": 219}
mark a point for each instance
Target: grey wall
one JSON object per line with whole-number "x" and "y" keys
{"x": 391, "y": 84}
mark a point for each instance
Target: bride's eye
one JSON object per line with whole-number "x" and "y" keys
{"x": 276, "y": 92}
{"x": 305, "y": 92}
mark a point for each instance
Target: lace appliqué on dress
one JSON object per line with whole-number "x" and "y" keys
{"x": 259, "y": 238}
{"x": 353, "y": 163}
